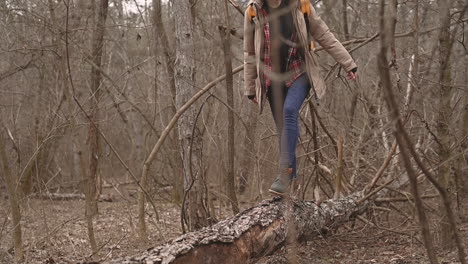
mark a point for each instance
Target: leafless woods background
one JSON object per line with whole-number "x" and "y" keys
{"x": 142, "y": 101}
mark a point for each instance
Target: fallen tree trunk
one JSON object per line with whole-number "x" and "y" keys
{"x": 255, "y": 232}
{"x": 68, "y": 196}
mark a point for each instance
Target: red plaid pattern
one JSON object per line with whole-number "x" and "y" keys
{"x": 293, "y": 63}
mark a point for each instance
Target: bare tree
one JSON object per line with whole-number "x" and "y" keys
{"x": 169, "y": 58}
{"x": 230, "y": 179}
{"x": 445, "y": 93}
{"x": 13, "y": 195}
{"x": 190, "y": 140}
{"x": 93, "y": 184}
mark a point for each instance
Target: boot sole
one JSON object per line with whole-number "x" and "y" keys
{"x": 278, "y": 193}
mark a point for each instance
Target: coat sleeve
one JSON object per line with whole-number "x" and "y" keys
{"x": 321, "y": 33}
{"x": 250, "y": 68}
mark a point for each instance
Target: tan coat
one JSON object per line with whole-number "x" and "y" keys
{"x": 254, "y": 49}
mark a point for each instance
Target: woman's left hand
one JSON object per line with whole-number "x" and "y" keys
{"x": 351, "y": 76}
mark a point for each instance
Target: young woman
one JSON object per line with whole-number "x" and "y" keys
{"x": 280, "y": 65}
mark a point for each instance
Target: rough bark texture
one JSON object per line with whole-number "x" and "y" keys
{"x": 169, "y": 57}
{"x": 14, "y": 203}
{"x": 462, "y": 163}
{"x": 253, "y": 233}
{"x": 92, "y": 184}
{"x": 230, "y": 184}
{"x": 249, "y": 145}
{"x": 190, "y": 142}
{"x": 444, "y": 93}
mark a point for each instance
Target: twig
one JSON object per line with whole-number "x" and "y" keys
{"x": 403, "y": 199}
{"x": 382, "y": 168}
{"x": 324, "y": 128}
{"x": 236, "y": 6}
{"x": 387, "y": 229}
{"x": 56, "y": 229}
{"x": 99, "y": 249}
{"x": 114, "y": 246}
{"x": 183, "y": 219}
{"x": 375, "y": 191}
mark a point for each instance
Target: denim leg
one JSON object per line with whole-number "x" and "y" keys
{"x": 295, "y": 96}
{"x": 276, "y": 97}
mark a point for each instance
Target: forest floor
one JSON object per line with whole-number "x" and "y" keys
{"x": 56, "y": 232}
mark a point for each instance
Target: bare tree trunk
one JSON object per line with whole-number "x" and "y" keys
{"x": 170, "y": 59}
{"x": 345, "y": 19}
{"x": 329, "y": 15}
{"x": 190, "y": 141}
{"x": 93, "y": 184}
{"x": 462, "y": 163}
{"x": 446, "y": 178}
{"x": 392, "y": 21}
{"x": 383, "y": 66}
{"x": 74, "y": 148}
{"x": 413, "y": 78}
{"x": 354, "y": 99}
{"x": 339, "y": 182}
{"x": 248, "y": 153}
{"x": 157, "y": 21}
{"x": 230, "y": 184}
{"x": 12, "y": 195}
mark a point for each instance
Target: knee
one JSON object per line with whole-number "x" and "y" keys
{"x": 289, "y": 111}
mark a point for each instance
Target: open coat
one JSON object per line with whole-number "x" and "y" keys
{"x": 254, "y": 48}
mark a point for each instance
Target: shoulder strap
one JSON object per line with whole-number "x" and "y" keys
{"x": 251, "y": 12}
{"x": 305, "y": 8}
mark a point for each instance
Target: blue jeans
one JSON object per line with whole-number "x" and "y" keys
{"x": 285, "y": 104}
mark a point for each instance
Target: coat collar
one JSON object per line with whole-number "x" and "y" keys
{"x": 257, "y": 2}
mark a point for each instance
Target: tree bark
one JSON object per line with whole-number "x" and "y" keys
{"x": 345, "y": 19}
{"x": 444, "y": 94}
{"x": 230, "y": 183}
{"x": 255, "y": 232}
{"x": 249, "y": 148}
{"x": 190, "y": 141}
{"x": 169, "y": 59}
{"x": 463, "y": 163}
{"x": 92, "y": 184}
{"x": 12, "y": 195}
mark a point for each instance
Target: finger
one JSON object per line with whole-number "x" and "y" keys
{"x": 351, "y": 76}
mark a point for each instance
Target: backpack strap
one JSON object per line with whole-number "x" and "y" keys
{"x": 251, "y": 12}
{"x": 305, "y": 9}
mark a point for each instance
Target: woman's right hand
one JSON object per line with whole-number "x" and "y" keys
{"x": 253, "y": 98}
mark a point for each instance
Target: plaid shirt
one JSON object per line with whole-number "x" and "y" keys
{"x": 293, "y": 63}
